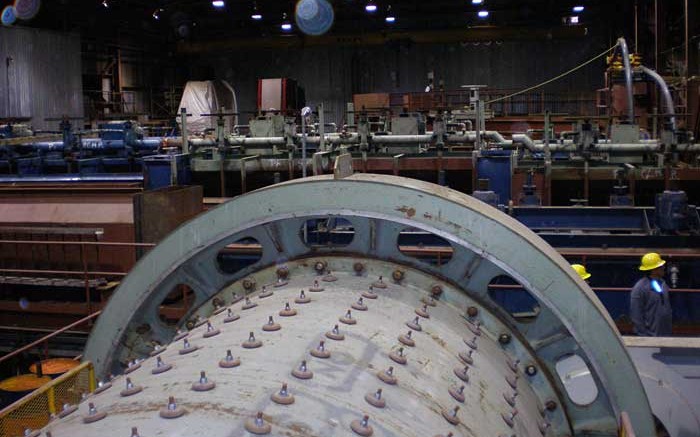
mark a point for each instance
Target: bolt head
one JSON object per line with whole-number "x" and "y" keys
{"x": 282, "y": 272}
{"x": 472, "y": 311}
{"x": 504, "y": 338}
{"x": 531, "y": 370}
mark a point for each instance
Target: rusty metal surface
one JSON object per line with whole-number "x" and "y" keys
{"x": 158, "y": 212}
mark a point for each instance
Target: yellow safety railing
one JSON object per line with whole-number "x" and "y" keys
{"x": 34, "y": 410}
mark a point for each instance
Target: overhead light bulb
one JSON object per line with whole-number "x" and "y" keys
{"x": 477, "y": 2}
{"x": 218, "y": 3}
{"x": 286, "y": 25}
{"x": 390, "y": 18}
{"x": 105, "y": 3}
{"x": 371, "y": 7}
{"x": 578, "y": 8}
{"x": 256, "y": 15}
{"x": 574, "y": 19}
{"x": 156, "y": 13}
{"x": 483, "y": 14}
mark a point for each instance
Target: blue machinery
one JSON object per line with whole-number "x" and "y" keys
{"x": 119, "y": 147}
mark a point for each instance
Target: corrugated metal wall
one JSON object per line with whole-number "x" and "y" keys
{"x": 40, "y": 75}
{"x": 333, "y": 74}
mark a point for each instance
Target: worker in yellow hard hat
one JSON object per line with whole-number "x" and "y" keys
{"x": 650, "y": 303}
{"x": 581, "y": 270}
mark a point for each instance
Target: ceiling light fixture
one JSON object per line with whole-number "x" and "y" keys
{"x": 578, "y": 8}
{"x": 256, "y": 15}
{"x": 574, "y": 19}
{"x": 105, "y": 3}
{"x": 477, "y": 2}
{"x": 483, "y": 14}
{"x": 218, "y": 3}
{"x": 371, "y": 7}
{"x": 156, "y": 13}
{"x": 390, "y": 18}
{"x": 286, "y": 25}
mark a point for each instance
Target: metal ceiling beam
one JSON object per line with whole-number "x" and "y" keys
{"x": 486, "y": 33}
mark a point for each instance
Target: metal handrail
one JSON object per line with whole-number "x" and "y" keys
{"x": 46, "y": 338}
{"x": 78, "y": 243}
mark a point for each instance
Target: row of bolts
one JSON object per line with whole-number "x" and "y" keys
{"x": 258, "y": 425}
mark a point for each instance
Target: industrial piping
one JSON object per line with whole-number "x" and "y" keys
{"x": 668, "y": 100}
{"x": 622, "y": 45}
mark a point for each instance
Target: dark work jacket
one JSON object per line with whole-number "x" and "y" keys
{"x": 650, "y": 311}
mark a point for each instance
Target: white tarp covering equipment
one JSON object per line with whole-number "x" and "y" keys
{"x": 208, "y": 97}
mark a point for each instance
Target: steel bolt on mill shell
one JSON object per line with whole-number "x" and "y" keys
{"x": 370, "y": 294}
{"x": 211, "y": 331}
{"x": 407, "y": 339}
{"x": 231, "y": 316}
{"x": 93, "y": 415}
{"x": 229, "y": 361}
{"x": 161, "y": 367}
{"x": 249, "y": 304}
{"x": 320, "y": 351}
{"x": 130, "y": 389}
{"x": 265, "y": 293}
{"x": 335, "y": 334}
{"x": 257, "y": 425}
{"x": 204, "y": 384}
{"x": 362, "y": 427}
{"x": 316, "y": 288}
{"x": 282, "y": 397}
{"x": 288, "y": 311}
{"x": 251, "y": 343}
{"x": 302, "y": 372}
{"x": 359, "y": 305}
{"x": 271, "y": 326}
{"x": 375, "y": 399}
{"x": 171, "y": 410}
{"x": 302, "y": 299}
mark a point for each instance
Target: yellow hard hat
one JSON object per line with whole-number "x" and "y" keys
{"x": 651, "y": 261}
{"x": 581, "y": 270}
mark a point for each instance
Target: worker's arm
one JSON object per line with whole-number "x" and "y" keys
{"x": 637, "y": 310}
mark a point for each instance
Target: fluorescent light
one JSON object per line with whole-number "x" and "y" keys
{"x": 105, "y": 3}
{"x": 574, "y": 19}
{"x": 256, "y": 16}
{"x": 483, "y": 14}
{"x": 218, "y": 3}
{"x": 578, "y": 8}
{"x": 390, "y": 19}
{"x": 477, "y": 2}
{"x": 371, "y": 7}
{"x": 286, "y": 27}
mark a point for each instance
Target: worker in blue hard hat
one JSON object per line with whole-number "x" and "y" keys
{"x": 650, "y": 303}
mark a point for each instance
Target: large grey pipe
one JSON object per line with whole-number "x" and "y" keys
{"x": 668, "y": 100}
{"x": 622, "y": 44}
